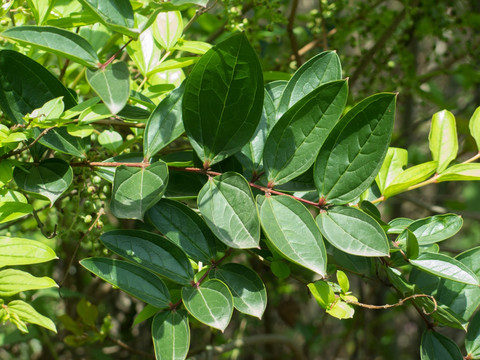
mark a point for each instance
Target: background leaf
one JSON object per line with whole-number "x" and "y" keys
{"x": 472, "y": 340}
{"x": 171, "y": 335}
{"x": 443, "y": 139}
{"x": 474, "y": 126}
{"x": 437, "y": 346}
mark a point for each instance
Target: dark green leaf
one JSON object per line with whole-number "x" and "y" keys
{"x": 412, "y": 244}
{"x": 171, "y": 335}
{"x": 354, "y": 151}
{"x": 472, "y": 341}
{"x": 223, "y": 99}
{"x": 434, "y": 229}
{"x": 60, "y": 140}
{"x": 147, "y": 312}
{"x": 435, "y": 346}
{"x": 130, "y": 278}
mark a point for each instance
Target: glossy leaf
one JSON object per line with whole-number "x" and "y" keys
{"x": 445, "y": 267}
{"x": 472, "y": 340}
{"x": 434, "y": 229}
{"x": 227, "y": 205}
{"x": 393, "y": 165}
{"x": 135, "y": 190}
{"x": 50, "y": 179}
{"x": 194, "y": 47}
{"x": 13, "y": 281}
{"x": 60, "y": 140}
{"x": 40, "y": 9}
{"x": 110, "y": 139}
{"x": 461, "y": 172}
{"x": 58, "y": 41}
{"x": 409, "y": 177}
{"x": 341, "y": 310}
{"x": 11, "y": 210}
{"x": 130, "y": 278}
{"x": 112, "y": 85}
{"x": 318, "y": 70}
{"x": 323, "y": 293}
{"x": 412, "y": 244}
{"x": 474, "y": 125}
{"x": 292, "y": 231}
{"x": 293, "y": 144}
{"x": 171, "y": 335}
{"x": 443, "y": 139}
{"x": 184, "y": 227}
{"x": 145, "y": 52}
{"x": 248, "y": 291}
{"x": 165, "y": 123}
{"x": 168, "y": 28}
{"x": 223, "y": 99}
{"x": 343, "y": 281}
{"x": 19, "y": 251}
{"x": 275, "y": 90}
{"x": 354, "y": 151}
{"x": 435, "y": 346}
{"x": 152, "y": 252}
{"x": 211, "y": 303}
{"x": 27, "y": 313}
{"x": 353, "y": 232}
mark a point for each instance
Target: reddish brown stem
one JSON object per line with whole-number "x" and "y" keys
{"x": 114, "y": 56}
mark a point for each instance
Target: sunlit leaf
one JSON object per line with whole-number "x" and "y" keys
{"x": 442, "y": 139}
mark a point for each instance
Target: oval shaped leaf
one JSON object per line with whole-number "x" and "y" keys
{"x": 171, "y": 335}
{"x": 19, "y": 251}
{"x": 434, "y": 229}
{"x": 248, "y": 291}
{"x": 353, "y": 231}
{"x": 112, "y": 85}
{"x": 227, "y": 205}
{"x": 130, "y": 278}
{"x": 461, "y": 172}
{"x": 474, "y": 126}
{"x": 167, "y": 28}
{"x": 443, "y": 141}
{"x": 392, "y": 166}
{"x": 223, "y": 99}
{"x": 185, "y": 228}
{"x": 60, "y": 140}
{"x": 292, "y": 231}
{"x": 435, "y": 346}
{"x": 354, "y": 151}
{"x": 211, "y": 303}
{"x": 27, "y": 313}
{"x": 13, "y": 281}
{"x": 275, "y": 90}
{"x": 409, "y": 177}
{"x": 152, "y": 252}
{"x": 144, "y": 52}
{"x": 58, "y": 41}
{"x": 50, "y": 179}
{"x": 472, "y": 340}
{"x": 445, "y": 267}
{"x": 294, "y": 142}
{"x": 135, "y": 190}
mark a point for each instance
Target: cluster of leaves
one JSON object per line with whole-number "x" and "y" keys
{"x": 268, "y": 171}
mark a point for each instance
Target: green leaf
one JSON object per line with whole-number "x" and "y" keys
{"x": 50, "y": 179}
{"x": 443, "y": 139}
{"x": 223, "y": 99}
{"x": 318, "y": 70}
{"x": 353, "y": 232}
{"x": 445, "y": 267}
{"x": 13, "y": 281}
{"x": 460, "y": 172}
{"x": 61, "y": 140}
{"x": 210, "y": 303}
{"x": 58, "y": 41}
{"x": 112, "y": 85}
{"x": 184, "y": 227}
{"x": 87, "y": 312}
{"x": 343, "y": 281}
{"x": 341, "y": 310}
{"x": 294, "y": 142}
{"x": 472, "y": 340}
{"x": 130, "y": 278}
{"x": 171, "y": 335}
{"x": 434, "y": 229}
{"x": 19, "y": 251}
{"x": 165, "y": 123}
{"x": 108, "y": 172}
{"x": 194, "y": 47}
{"x": 144, "y": 52}
{"x": 227, "y": 205}
{"x": 110, "y": 139}
{"x": 135, "y": 190}
{"x": 435, "y": 346}
{"x": 172, "y": 64}
{"x": 412, "y": 244}
{"x": 280, "y": 269}
{"x": 40, "y": 9}
{"x": 147, "y": 312}
{"x": 25, "y": 85}
{"x": 393, "y": 165}
{"x": 168, "y": 28}
{"x": 51, "y": 110}
{"x": 27, "y": 313}
{"x": 248, "y": 291}
{"x": 323, "y": 293}
{"x": 353, "y": 153}
{"x": 291, "y": 229}
{"x": 474, "y": 126}
{"x": 409, "y": 177}
{"x": 11, "y": 210}
{"x": 152, "y": 252}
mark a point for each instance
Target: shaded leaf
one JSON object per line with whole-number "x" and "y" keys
{"x": 412, "y": 244}
{"x": 147, "y": 312}
{"x": 110, "y": 139}
{"x": 27, "y": 313}
{"x": 443, "y": 139}
{"x": 395, "y": 160}
{"x": 171, "y": 335}
{"x": 472, "y": 340}
{"x": 436, "y": 346}
{"x": 13, "y": 281}
{"x": 474, "y": 126}
{"x": 19, "y": 251}
{"x": 60, "y": 140}
{"x": 434, "y": 229}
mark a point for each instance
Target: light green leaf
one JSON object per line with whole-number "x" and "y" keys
{"x": 184, "y": 227}
{"x": 173, "y": 64}
{"x": 40, "y": 9}
{"x": 227, "y": 205}
{"x": 393, "y": 165}
{"x": 144, "y": 52}
{"x": 135, "y": 190}
{"x": 474, "y": 126}
{"x": 50, "y": 179}
{"x": 472, "y": 340}
{"x": 341, "y": 310}
{"x": 194, "y": 47}
{"x": 323, "y": 293}
{"x": 461, "y": 172}
{"x": 248, "y": 291}
{"x": 130, "y": 278}
{"x": 223, "y": 99}
{"x": 434, "y": 229}
{"x": 167, "y": 28}
{"x": 292, "y": 231}
{"x": 294, "y": 142}
{"x": 58, "y": 41}
{"x": 110, "y": 139}
{"x": 409, "y": 177}
{"x": 51, "y": 110}
{"x": 211, "y": 303}
{"x": 152, "y": 252}
{"x": 19, "y": 251}
{"x": 435, "y": 346}
{"x": 443, "y": 139}
{"x": 353, "y": 232}
{"x": 171, "y": 335}
{"x": 445, "y": 267}
{"x": 13, "y": 281}
{"x": 353, "y": 152}
{"x": 80, "y": 131}
{"x": 27, "y": 313}
{"x": 343, "y": 281}
{"x": 112, "y": 85}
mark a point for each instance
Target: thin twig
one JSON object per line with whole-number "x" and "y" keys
{"x": 114, "y": 56}
{"x": 399, "y": 303}
{"x": 41, "y": 226}
{"x": 198, "y": 13}
{"x": 19, "y": 151}
{"x": 115, "y": 122}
